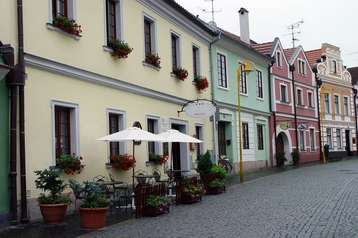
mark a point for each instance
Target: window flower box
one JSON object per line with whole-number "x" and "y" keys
{"x": 153, "y": 59}
{"x": 201, "y": 83}
{"x": 67, "y": 25}
{"x": 180, "y": 73}
{"x": 120, "y": 48}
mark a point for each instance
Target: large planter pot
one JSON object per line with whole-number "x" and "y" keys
{"x": 216, "y": 190}
{"x": 189, "y": 199}
{"x": 53, "y": 213}
{"x": 153, "y": 211}
{"x": 93, "y": 218}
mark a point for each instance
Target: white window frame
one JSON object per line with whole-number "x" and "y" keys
{"x": 226, "y": 71}
{"x": 301, "y": 67}
{"x": 336, "y": 104}
{"x": 299, "y": 97}
{"x": 243, "y": 79}
{"x": 283, "y": 92}
{"x": 196, "y": 51}
{"x": 312, "y": 139}
{"x": 346, "y": 106}
{"x": 302, "y": 141}
{"x": 178, "y": 47}
{"x": 121, "y": 126}
{"x": 157, "y": 146}
{"x": 71, "y": 7}
{"x": 326, "y": 103}
{"x": 339, "y": 138}
{"x": 329, "y": 137}
{"x": 334, "y": 66}
{"x": 153, "y": 33}
{"x": 310, "y": 99}
{"x": 279, "y": 59}
{"x": 74, "y": 130}
{"x": 119, "y": 19}
{"x": 259, "y": 79}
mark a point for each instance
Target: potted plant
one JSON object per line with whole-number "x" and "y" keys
{"x": 67, "y": 25}
{"x": 295, "y": 155}
{"x": 155, "y": 205}
{"x": 280, "y": 158}
{"x": 53, "y": 205}
{"x": 125, "y": 162}
{"x": 192, "y": 193}
{"x": 201, "y": 83}
{"x": 120, "y": 48}
{"x": 153, "y": 59}
{"x": 180, "y": 72}
{"x": 94, "y": 205}
{"x": 70, "y": 164}
{"x": 217, "y": 186}
{"x": 204, "y": 164}
{"x": 158, "y": 159}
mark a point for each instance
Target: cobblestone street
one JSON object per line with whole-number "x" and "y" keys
{"x": 312, "y": 201}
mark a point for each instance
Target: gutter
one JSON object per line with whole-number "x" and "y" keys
{"x": 270, "y": 104}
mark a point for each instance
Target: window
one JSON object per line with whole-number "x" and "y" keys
{"x": 339, "y": 138}
{"x": 312, "y": 140}
{"x": 260, "y": 139}
{"x": 334, "y": 66}
{"x": 283, "y": 93}
{"x": 175, "y": 43}
{"x": 153, "y": 127}
{"x": 65, "y": 126}
{"x": 301, "y": 67}
{"x": 336, "y": 104}
{"x": 310, "y": 104}
{"x": 302, "y": 141}
{"x": 345, "y": 102}
{"x": 279, "y": 59}
{"x": 196, "y": 61}
{"x": 222, "y": 80}
{"x": 259, "y": 91}
{"x": 113, "y": 19}
{"x": 245, "y": 136}
{"x": 63, "y": 8}
{"x": 243, "y": 85}
{"x": 199, "y": 135}
{"x": 149, "y": 35}
{"x": 329, "y": 137}
{"x": 115, "y": 124}
{"x": 299, "y": 97}
{"x": 326, "y": 102}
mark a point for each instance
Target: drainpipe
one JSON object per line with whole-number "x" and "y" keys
{"x": 215, "y": 136}
{"x": 24, "y": 218}
{"x": 292, "y": 69}
{"x": 318, "y": 85}
{"x": 270, "y": 105}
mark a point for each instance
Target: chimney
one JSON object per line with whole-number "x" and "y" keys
{"x": 244, "y": 25}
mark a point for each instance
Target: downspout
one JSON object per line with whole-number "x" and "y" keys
{"x": 215, "y": 134}
{"x": 292, "y": 69}
{"x": 319, "y": 118}
{"x": 270, "y": 105}
{"x": 24, "y": 217}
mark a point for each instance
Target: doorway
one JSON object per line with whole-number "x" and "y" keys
{"x": 221, "y": 138}
{"x": 348, "y": 144}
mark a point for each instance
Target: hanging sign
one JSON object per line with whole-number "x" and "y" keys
{"x": 200, "y": 109}
{"x": 285, "y": 125}
{"x": 302, "y": 126}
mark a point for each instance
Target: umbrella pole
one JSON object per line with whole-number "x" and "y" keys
{"x": 133, "y": 168}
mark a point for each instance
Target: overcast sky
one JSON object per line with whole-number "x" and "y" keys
{"x": 324, "y": 21}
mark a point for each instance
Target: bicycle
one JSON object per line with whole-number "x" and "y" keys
{"x": 226, "y": 163}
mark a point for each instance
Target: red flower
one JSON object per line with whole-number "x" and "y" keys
{"x": 202, "y": 83}
{"x": 125, "y": 162}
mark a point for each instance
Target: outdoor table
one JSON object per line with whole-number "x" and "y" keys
{"x": 143, "y": 179}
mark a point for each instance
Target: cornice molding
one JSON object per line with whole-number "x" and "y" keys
{"x": 91, "y": 77}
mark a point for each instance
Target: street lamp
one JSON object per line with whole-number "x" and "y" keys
{"x": 322, "y": 91}
{"x": 247, "y": 69}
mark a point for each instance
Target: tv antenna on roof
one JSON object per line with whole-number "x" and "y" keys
{"x": 292, "y": 27}
{"x": 212, "y": 10}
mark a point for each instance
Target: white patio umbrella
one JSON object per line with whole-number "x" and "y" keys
{"x": 132, "y": 134}
{"x": 177, "y": 136}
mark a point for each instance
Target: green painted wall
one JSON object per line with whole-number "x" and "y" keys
{"x": 4, "y": 145}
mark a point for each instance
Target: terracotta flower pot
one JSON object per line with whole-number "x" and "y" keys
{"x": 153, "y": 211}
{"x": 189, "y": 199}
{"x": 93, "y": 218}
{"x": 53, "y": 213}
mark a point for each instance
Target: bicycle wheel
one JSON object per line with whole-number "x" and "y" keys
{"x": 228, "y": 167}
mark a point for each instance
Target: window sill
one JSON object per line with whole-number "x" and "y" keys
{"x": 109, "y": 165}
{"x": 148, "y": 163}
{"x": 51, "y": 27}
{"x": 150, "y": 65}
